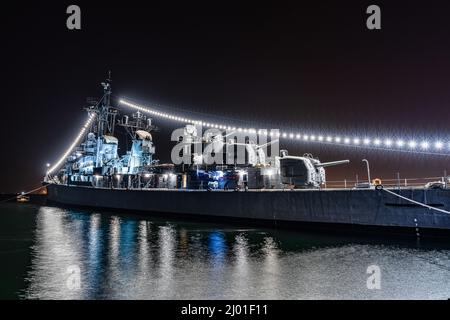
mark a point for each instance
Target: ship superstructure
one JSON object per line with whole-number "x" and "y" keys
{"x": 96, "y": 162}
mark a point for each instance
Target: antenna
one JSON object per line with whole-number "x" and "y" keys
{"x": 107, "y": 115}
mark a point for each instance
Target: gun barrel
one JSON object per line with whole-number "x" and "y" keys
{"x": 332, "y": 163}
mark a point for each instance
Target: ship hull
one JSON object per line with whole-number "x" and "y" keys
{"x": 354, "y": 208}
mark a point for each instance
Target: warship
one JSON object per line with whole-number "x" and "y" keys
{"x": 278, "y": 190}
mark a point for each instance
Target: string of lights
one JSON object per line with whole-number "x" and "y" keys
{"x": 74, "y": 144}
{"x": 411, "y": 145}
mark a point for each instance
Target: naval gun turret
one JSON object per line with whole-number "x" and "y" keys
{"x": 305, "y": 171}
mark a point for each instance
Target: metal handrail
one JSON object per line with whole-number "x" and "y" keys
{"x": 399, "y": 182}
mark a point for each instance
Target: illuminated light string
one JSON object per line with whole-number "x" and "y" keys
{"x": 385, "y": 144}
{"x": 74, "y": 144}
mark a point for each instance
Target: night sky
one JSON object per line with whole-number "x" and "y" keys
{"x": 301, "y": 67}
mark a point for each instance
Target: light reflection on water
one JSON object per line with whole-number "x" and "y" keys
{"x": 129, "y": 257}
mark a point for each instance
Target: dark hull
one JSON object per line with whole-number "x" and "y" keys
{"x": 351, "y": 208}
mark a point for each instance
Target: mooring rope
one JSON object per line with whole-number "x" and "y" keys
{"x": 23, "y": 194}
{"x": 416, "y": 202}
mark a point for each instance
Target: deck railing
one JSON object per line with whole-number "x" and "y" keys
{"x": 390, "y": 183}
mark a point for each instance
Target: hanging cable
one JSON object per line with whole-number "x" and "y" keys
{"x": 402, "y": 145}
{"x": 416, "y": 202}
{"x": 74, "y": 144}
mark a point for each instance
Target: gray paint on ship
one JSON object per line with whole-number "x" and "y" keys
{"x": 355, "y": 207}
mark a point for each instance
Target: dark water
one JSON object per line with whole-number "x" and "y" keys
{"x": 45, "y": 250}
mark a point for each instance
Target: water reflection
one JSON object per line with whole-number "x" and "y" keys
{"x": 270, "y": 267}
{"x": 144, "y": 252}
{"x": 167, "y": 245}
{"x": 126, "y": 257}
{"x": 95, "y": 250}
{"x": 218, "y": 249}
{"x": 241, "y": 283}
{"x": 55, "y": 252}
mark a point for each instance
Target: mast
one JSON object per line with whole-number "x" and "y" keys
{"x": 106, "y": 114}
{"x": 106, "y": 117}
